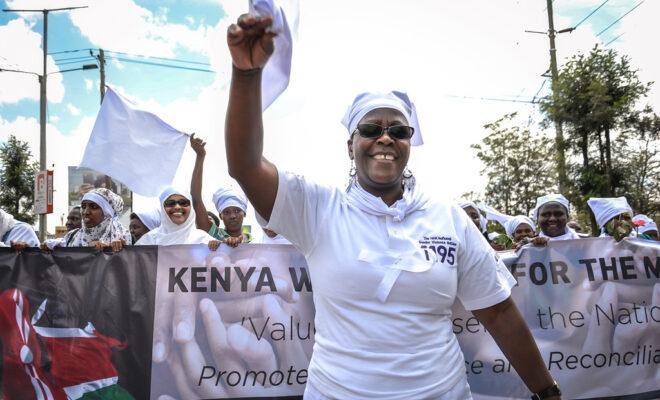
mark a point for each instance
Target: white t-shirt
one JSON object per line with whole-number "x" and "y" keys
{"x": 401, "y": 347}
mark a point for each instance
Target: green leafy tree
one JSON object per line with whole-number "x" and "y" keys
{"x": 17, "y": 172}
{"x": 596, "y": 95}
{"x": 519, "y": 166}
{"x": 641, "y": 163}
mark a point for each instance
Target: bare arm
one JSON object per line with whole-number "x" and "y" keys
{"x": 201, "y": 219}
{"x": 512, "y": 335}
{"x": 250, "y": 46}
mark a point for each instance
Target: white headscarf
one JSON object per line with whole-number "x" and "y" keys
{"x": 606, "y": 208}
{"x": 365, "y": 102}
{"x": 510, "y": 223}
{"x": 150, "y": 218}
{"x": 169, "y": 233}
{"x": 649, "y": 224}
{"x": 483, "y": 222}
{"x": 550, "y": 198}
{"x": 110, "y": 229}
{"x": 7, "y": 222}
{"x": 224, "y": 198}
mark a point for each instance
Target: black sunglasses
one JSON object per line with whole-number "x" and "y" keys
{"x": 172, "y": 203}
{"x": 396, "y": 132}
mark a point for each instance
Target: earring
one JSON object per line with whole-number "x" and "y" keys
{"x": 352, "y": 173}
{"x": 408, "y": 179}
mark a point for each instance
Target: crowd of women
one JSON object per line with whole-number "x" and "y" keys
{"x": 184, "y": 219}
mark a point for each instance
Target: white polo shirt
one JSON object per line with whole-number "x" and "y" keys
{"x": 401, "y": 346}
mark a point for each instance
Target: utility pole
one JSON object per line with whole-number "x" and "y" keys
{"x": 42, "y": 102}
{"x": 559, "y": 132}
{"x": 101, "y": 58}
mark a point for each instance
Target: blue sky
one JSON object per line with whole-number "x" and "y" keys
{"x": 145, "y": 81}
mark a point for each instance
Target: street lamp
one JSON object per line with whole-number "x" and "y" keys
{"x": 42, "y": 149}
{"x": 42, "y": 95}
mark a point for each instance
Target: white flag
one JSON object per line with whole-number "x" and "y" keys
{"x": 133, "y": 146}
{"x": 276, "y": 73}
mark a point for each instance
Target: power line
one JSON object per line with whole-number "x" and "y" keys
{"x": 71, "y": 58}
{"x": 68, "y": 51}
{"x": 613, "y": 40}
{"x": 620, "y": 18}
{"x": 590, "y": 14}
{"x": 77, "y": 61}
{"x": 539, "y": 91}
{"x": 159, "y": 58}
{"x": 490, "y": 99}
{"x": 131, "y": 55}
{"x": 159, "y": 64}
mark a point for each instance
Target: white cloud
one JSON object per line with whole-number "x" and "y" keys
{"x": 20, "y": 48}
{"x": 190, "y": 20}
{"x": 53, "y": 119}
{"x": 117, "y": 64}
{"x": 89, "y": 84}
{"x": 75, "y": 111}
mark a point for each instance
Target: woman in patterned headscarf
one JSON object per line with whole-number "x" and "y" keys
{"x": 100, "y": 210}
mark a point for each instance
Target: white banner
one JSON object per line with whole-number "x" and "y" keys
{"x": 240, "y": 323}
{"x": 593, "y": 306}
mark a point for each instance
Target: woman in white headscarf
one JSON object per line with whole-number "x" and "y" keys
{"x": 231, "y": 205}
{"x": 143, "y": 222}
{"x": 517, "y": 227}
{"x": 612, "y": 213}
{"x": 386, "y": 262}
{"x": 177, "y": 223}
{"x": 100, "y": 210}
{"x": 551, "y": 213}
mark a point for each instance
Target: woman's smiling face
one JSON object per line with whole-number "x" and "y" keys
{"x": 177, "y": 208}
{"x": 380, "y": 162}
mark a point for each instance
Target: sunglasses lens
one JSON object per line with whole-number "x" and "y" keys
{"x": 400, "y": 132}
{"x": 172, "y": 203}
{"x": 370, "y": 131}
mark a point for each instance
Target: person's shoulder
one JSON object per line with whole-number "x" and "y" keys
{"x": 300, "y": 182}
{"x": 22, "y": 228}
{"x": 148, "y": 238}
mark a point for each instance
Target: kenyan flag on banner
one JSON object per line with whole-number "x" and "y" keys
{"x": 75, "y": 324}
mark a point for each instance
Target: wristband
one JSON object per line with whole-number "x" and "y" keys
{"x": 547, "y": 392}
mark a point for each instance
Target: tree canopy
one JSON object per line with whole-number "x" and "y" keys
{"x": 17, "y": 173}
{"x": 518, "y": 164}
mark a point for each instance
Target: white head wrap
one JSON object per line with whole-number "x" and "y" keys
{"x": 550, "y": 198}
{"x": 649, "y": 224}
{"x": 510, "y": 223}
{"x": 276, "y": 73}
{"x": 110, "y": 229}
{"x": 169, "y": 233}
{"x": 483, "y": 222}
{"x": 606, "y": 208}
{"x": 150, "y": 218}
{"x": 515, "y": 222}
{"x": 7, "y": 222}
{"x": 224, "y": 198}
{"x": 365, "y": 102}
{"x": 102, "y": 202}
